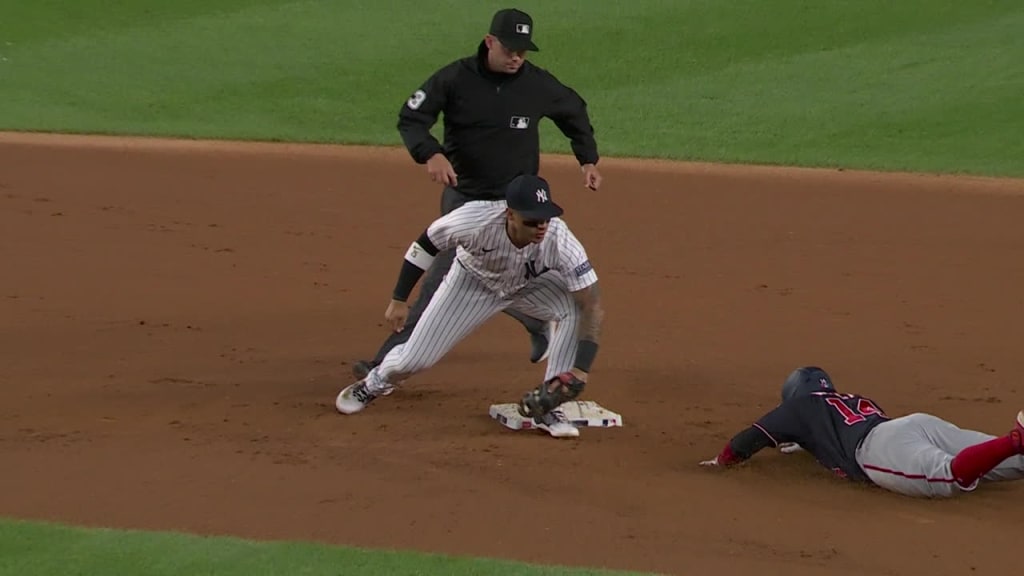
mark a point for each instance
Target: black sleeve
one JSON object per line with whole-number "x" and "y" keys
{"x": 569, "y": 113}
{"x": 420, "y": 112}
{"x": 410, "y": 273}
{"x": 782, "y": 424}
{"x": 749, "y": 442}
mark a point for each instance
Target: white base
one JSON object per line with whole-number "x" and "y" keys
{"x": 582, "y": 413}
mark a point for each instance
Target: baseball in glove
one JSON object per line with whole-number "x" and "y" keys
{"x": 550, "y": 395}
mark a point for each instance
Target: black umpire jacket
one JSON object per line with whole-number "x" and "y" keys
{"x": 491, "y": 122}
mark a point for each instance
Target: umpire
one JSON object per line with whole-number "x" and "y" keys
{"x": 492, "y": 102}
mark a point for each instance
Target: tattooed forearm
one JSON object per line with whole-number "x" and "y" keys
{"x": 591, "y": 313}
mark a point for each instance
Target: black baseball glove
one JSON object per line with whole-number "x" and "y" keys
{"x": 550, "y": 395}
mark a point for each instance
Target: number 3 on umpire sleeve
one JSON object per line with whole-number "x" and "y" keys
{"x": 416, "y": 100}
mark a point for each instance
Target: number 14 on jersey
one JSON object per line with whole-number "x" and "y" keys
{"x": 854, "y": 415}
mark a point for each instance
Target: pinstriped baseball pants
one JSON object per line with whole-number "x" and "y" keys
{"x": 461, "y": 305}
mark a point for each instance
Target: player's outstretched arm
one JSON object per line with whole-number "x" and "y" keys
{"x": 417, "y": 260}
{"x": 588, "y": 302}
{"x": 569, "y": 385}
{"x": 443, "y": 233}
{"x": 781, "y": 425}
{"x": 741, "y": 447}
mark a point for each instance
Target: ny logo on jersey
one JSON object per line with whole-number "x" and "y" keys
{"x": 542, "y": 195}
{"x": 532, "y": 271}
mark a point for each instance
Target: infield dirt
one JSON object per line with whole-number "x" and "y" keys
{"x": 177, "y": 318}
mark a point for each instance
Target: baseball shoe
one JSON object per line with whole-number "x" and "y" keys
{"x": 540, "y": 343}
{"x": 1017, "y": 434}
{"x": 557, "y": 424}
{"x": 361, "y": 368}
{"x": 354, "y": 398}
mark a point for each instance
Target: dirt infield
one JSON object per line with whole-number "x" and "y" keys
{"x": 176, "y": 318}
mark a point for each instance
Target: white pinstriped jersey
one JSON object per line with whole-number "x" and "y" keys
{"x": 477, "y": 230}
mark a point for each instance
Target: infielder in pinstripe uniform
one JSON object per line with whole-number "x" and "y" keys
{"x": 512, "y": 254}
{"x": 493, "y": 102}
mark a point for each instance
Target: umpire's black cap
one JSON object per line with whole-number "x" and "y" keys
{"x": 530, "y": 196}
{"x": 514, "y": 28}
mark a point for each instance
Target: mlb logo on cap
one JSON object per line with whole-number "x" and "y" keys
{"x": 514, "y": 28}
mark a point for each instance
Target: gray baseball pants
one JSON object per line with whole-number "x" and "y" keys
{"x": 911, "y": 455}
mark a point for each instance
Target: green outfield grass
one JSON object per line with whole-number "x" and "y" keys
{"x": 924, "y": 85}
{"x": 930, "y": 85}
{"x": 39, "y": 549}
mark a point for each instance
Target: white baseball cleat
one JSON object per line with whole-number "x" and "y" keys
{"x": 557, "y": 424}
{"x": 354, "y": 398}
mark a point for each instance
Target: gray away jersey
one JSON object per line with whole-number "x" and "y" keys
{"x": 477, "y": 231}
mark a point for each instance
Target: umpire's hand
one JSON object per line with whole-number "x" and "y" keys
{"x": 591, "y": 176}
{"x": 440, "y": 170}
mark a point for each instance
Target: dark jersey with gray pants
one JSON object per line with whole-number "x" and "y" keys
{"x": 827, "y": 424}
{"x": 852, "y": 436}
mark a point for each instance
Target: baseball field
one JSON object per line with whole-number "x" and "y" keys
{"x": 203, "y": 206}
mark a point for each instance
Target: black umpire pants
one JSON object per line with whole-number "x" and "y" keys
{"x": 450, "y": 200}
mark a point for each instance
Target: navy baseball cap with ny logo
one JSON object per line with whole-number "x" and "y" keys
{"x": 514, "y": 28}
{"x": 530, "y": 196}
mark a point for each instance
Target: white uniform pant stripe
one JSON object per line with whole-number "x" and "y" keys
{"x": 911, "y": 455}
{"x": 460, "y": 305}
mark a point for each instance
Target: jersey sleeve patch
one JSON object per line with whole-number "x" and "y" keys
{"x": 416, "y": 100}
{"x": 582, "y": 269}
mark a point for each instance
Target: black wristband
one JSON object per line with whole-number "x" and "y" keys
{"x": 586, "y": 351}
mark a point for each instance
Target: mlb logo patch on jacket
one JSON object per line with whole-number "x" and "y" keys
{"x": 520, "y": 122}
